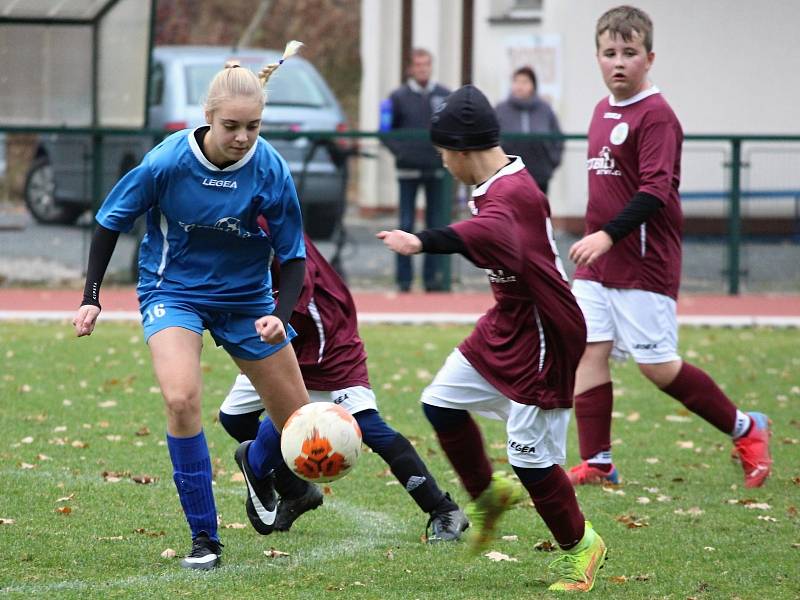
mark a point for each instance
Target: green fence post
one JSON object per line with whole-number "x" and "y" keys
{"x": 734, "y": 217}
{"x": 97, "y": 170}
{"x": 443, "y": 262}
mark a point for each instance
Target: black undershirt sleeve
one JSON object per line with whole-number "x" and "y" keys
{"x": 640, "y": 208}
{"x": 293, "y": 273}
{"x": 103, "y": 243}
{"x": 442, "y": 240}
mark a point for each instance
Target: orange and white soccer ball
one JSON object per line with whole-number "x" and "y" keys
{"x": 321, "y": 442}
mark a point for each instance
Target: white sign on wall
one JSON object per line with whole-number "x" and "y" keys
{"x": 543, "y": 53}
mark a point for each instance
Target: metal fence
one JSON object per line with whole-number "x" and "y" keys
{"x": 740, "y": 195}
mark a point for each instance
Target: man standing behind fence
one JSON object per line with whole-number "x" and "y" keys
{"x": 410, "y": 107}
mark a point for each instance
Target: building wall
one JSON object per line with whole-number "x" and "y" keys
{"x": 726, "y": 66}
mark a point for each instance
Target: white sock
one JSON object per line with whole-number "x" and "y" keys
{"x": 742, "y": 424}
{"x": 601, "y": 458}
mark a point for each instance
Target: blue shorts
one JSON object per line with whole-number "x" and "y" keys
{"x": 234, "y": 331}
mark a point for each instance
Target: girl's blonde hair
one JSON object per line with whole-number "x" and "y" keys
{"x": 234, "y": 81}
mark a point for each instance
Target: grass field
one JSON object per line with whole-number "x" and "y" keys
{"x": 81, "y": 421}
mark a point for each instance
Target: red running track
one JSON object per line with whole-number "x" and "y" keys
{"x": 124, "y": 299}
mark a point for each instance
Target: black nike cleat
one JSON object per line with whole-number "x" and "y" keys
{"x": 290, "y": 509}
{"x": 205, "y": 554}
{"x": 262, "y": 500}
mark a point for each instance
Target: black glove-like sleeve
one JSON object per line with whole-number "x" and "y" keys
{"x": 442, "y": 240}
{"x": 640, "y": 208}
{"x": 103, "y": 243}
{"x": 292, "y": 274}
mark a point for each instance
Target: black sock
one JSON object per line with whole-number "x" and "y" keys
{"x": 412, "y": 473}
{"x": 287, "y": 484}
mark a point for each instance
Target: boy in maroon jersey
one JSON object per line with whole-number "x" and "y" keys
{"x": 334, "y": 368}
{"x": 519, "y": 363}
{"x": 629, "y": 261}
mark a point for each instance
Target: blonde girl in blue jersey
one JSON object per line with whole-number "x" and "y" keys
{"x": 203, "y": 264}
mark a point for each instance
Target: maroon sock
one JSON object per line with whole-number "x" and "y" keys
{"x": 593, "y": 416}
{"x": 464, "y": 448}
{"x": 697, "y": 391}
{"x": 555, "y": 501}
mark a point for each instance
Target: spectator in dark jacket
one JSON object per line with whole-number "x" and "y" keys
{"x": 525, "y": 112}
{"x": 410, "y": 107}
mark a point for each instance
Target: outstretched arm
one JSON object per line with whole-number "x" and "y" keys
{"x": 103, "y": 243}
{"x": 439, "y": 240}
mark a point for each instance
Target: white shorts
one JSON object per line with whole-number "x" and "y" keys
{"x": 243, "y": 398}
{"x": 536, "y": 438}
{"x": 641, "y": 324}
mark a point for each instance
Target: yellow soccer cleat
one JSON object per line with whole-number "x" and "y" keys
{"x": 576, "y": 568}
{"x": 484, "y": 512}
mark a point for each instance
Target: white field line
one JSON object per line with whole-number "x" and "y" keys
{"x": 376, "y": 529}
{"x": 426, "y": 318}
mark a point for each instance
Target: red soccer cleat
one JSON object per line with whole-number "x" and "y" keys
{"x": 753, "y": 451}
{"x": 584, "y": 473}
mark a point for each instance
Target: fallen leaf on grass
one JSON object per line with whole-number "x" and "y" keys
{"x": 144, "y": 479}
{"x": 115, "y": 476}
{"x": 153, "y": 534}
{"x": 110, "y": 538}
{"x": 510, "y": 538}
{"x": 612, "y": 489}
{"x": 107, "y": 404}
{"x": 694, "y": 511}
{"x": 114, "y": 438}
{"x": 677, "y": 419}
{"x": 79, "y": 444}
{"x": 685, "y": 444}
{"x": 792, "y": 511}
{"x": 43, "y": 457}
{"x": 767, "y": 518}
{"x": 272, "y": 553}
{"x": 709, "y": 548}
{"x": 66, "y": 498}
{"x": 237, "y": 477}
{"x": 632, "y": 521}
{"x": 389, "y": 554}
{"x": 651, "y": 461}
{"x": 795, "y": 546}
{"x": 496, "y": 556}
{"x": 168, "y": 553}
{"x": 544, "y": 546}
{"x": 143, "y": 431}
{"x": 633, "y": 417}
{"x": 25, "y": 465}
{"x": 64, "y": 510}
{"x": 327, "y": 490}
{"x": 26, "y": 440}
{"x": 618, "y": 579}
{"x": 4, "y": 521}
{"x": 235, "y": 526}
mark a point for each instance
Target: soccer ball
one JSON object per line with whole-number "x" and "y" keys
{"x": 321, "y": 442}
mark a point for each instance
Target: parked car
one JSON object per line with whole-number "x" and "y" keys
{"x": 58, "y": 187}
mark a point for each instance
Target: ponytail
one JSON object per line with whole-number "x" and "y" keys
{"x": 235, "y": 81}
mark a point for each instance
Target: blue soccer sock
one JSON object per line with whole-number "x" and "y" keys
{"x": 191, "y": 471}
{"x": 264, "y": 454}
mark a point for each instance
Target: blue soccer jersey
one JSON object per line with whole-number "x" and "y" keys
{"x": 203, "y": 245}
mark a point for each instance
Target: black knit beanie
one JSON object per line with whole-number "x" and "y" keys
{"x": 465, "y": 121}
